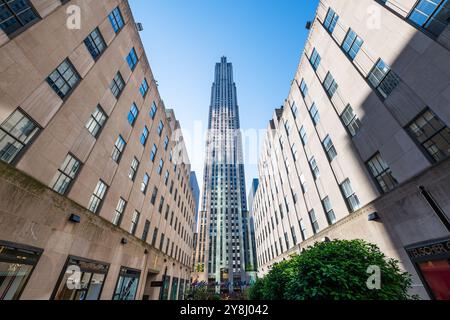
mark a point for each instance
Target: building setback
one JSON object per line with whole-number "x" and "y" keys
{"x": 222, "y": 241}
{"x": 360, "y": 148}
{"x": 95, "y": 195}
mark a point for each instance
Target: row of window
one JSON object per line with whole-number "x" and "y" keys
{"x": 87, "y": 284}
{"x": 381, "y": 77}
{"x": 430, "y": 15}
{"x": 18, "y": 130}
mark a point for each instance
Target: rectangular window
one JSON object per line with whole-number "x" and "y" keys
{"x": 16, "y": 132}
{"x": 432, "y": 15}
{"x": 315, "y": 59}
{"x": 331, "y": 20}
{"x": 132, "y": 59}
{"x": 383, "y": 79}
{"x": 314, "y": 222}
{"x": 329, "y": 148}
{"x": 286, "y": 239}
{"x": 144, "y": 136}
{"x": 303, "y": 135}
{"x": 314, "y": 112}
{"x": 154, "y": 195}
{"x": 432, "y": 134}
{"x": 350, "y": 196}
{"x": 16, "y": 15}
{"x": 153, "y": 153}
{"x": 133, "y": 168}
{"x": 153, "y": 110}
{"x": 96, "y": 121}
{"x": 382, "y": 174}
{"x": 166, "y": 215}
{"x": 351, "y": 121}
{"x": 118, "y": 214}
{"x": 303, "y": 88}
{"x": 92, "y": 278}
{"x": 331, "y": 217}
{"x": 97, "y": 197}
{"x": 155, "y": 236}
{"x": 294, "y": 110}
{"x": 64, "y": 79}
{"x": 166, "y": 143}
{"x": 66, "y": 174}
{"x": 314, "y": 168}
{"x": 127, "y": 284}
{"x": 303, "y": 183}
{"x": 302, "y": 229}
{"x": 161, "y": 204}
{"x": 117, "y": 85}
{"x": 144, "y": 87}
{"x": 95, "y": 43}
{"x": 294, "y": 152}
{"x": 288, "y": 127}
{"x": 144, "y": 184}
{"x": 161, "y": 241}
{"x": 352, "y": 44}
{"x": 146, "y": 231}
{"x": 132, "y": 115}
{"x": 16, "y": 267}
{"x": 134, "y": 222}
{"x": 119, "y": 146}
{"x": 115, "y": 17}
{"x": 161, "y": 166}
{"x": 166, "y": 178}
{"x": 294, "y": 237}
{"x": 160, "y": 128}
{"x": 330, "y": 85}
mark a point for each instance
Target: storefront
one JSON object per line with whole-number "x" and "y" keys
{"x": 432, "y": 262}
{"x": 17, "y": 263}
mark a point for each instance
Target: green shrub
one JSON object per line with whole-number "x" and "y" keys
{"x": 336, "y": 270}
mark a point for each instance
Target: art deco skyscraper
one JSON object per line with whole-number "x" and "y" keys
{"x": 224, "y": 209}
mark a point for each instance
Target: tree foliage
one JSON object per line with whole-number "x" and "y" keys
{"x": 336, "y": 270}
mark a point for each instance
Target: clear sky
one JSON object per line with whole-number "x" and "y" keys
{"x": 184, "y": 39}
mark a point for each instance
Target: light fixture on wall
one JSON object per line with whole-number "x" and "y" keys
{"x": 74, "y": 218}
{"x": 374, "y": 216}
{"x": 124, "y": 241}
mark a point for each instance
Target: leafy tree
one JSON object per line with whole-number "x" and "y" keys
{"x": 336, "y": 270}
{"x": 256, "y": 291}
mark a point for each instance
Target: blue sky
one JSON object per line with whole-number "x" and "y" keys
{"x": 184, "y": 39}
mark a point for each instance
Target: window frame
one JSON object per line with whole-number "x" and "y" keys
{"x": 385, "y": 170}
{"x": 414, "y": 137}
{"x": 23, "y": 27}
{"x": 101, "y": 200}
{"x": 115, "y": 84}
{"x": 352, "y": 45}
{"x": 52, "y": 83}
{"x": 24, "y": 146}
{"x": 20, "y": 247}
{"x": 93, "y": 45}
{"x": 60, "y": 173}
{"x": 113, "y": 15}
{"x": 93, "y": 119}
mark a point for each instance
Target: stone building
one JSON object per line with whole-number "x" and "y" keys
{"x": 95, "y": 194}
{"x": 360, "y": 148}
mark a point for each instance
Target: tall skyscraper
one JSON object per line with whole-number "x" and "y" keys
{"x": 222, "y": 240}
